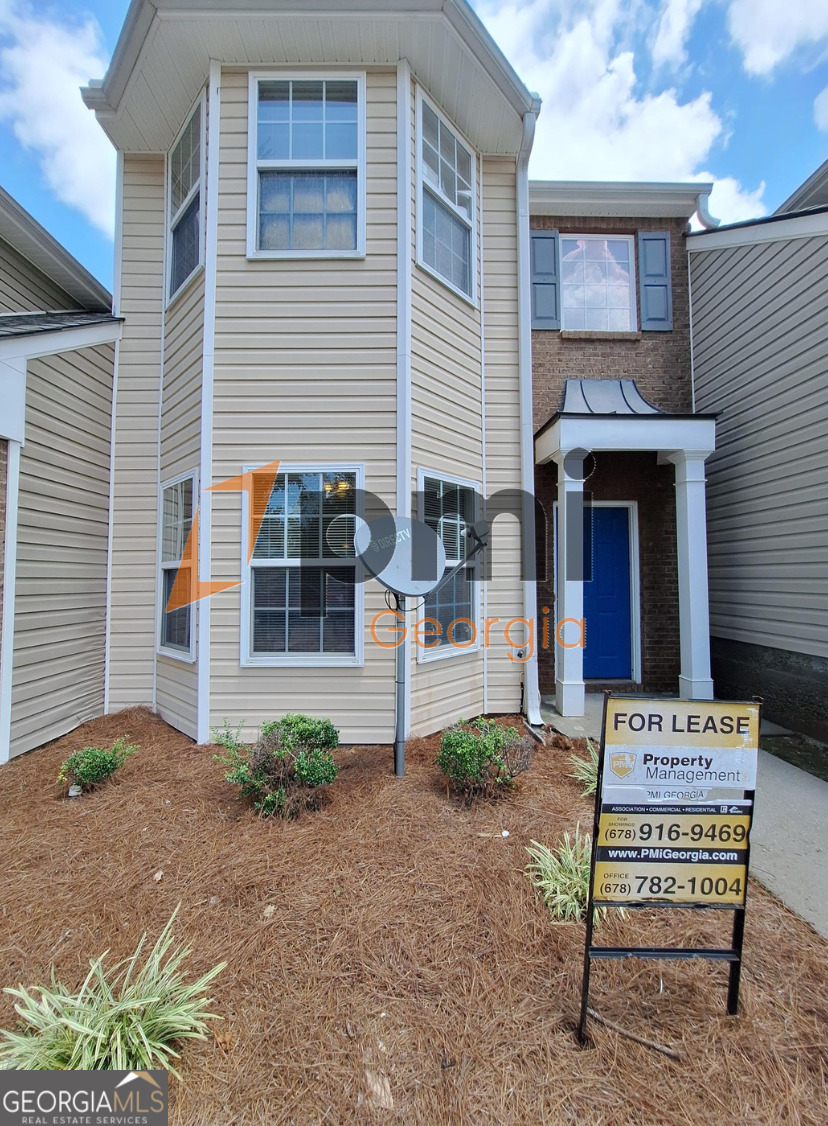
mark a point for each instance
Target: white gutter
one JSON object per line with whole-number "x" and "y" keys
{"x": 9, "y": 578}
{"x": 404, "y": 323}
{"x": 531, "y": 701}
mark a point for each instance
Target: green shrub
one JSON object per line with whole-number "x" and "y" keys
{"x": 284, "y": 772}
{"x": 481, "y": 758}
{"x": 302, "y": 732}
{"x": 126, "y": 1018}
{"x": 93, "y": 765}
{"x": 585, "y": 771}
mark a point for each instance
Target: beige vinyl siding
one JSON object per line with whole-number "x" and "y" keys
{"x": 760, "y": 346}
{"x": 135, "y": 511}
{"x": 505, "y": 591}
{"x": 447, "y": 436}
{"x": 305, "y": 371}
{"x": 60, "y": 602}
{"x": 176, "y": 680}
{"x": 24, "y": 289}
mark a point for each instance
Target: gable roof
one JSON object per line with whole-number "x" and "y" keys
{"x": 34, "y": 243}
{"x": 161, "y": 61}
{"x": 812, "y": 193}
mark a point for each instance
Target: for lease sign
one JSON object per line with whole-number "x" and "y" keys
{"x": 674, "y": 819}
{"x": 678, "y": 749}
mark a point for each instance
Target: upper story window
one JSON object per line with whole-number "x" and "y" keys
{"x": 587, "y": 283}
{"x": 446, "y": 228}
{"x": 306, "y": 193}
{"x": 598, "y": 283}
{"x": 185, "y": 209}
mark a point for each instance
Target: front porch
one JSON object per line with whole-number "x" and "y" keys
{"x": 628, "y": 584}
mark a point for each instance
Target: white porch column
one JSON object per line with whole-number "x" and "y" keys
{"x": 695, "y": 682}
{"x": 569, "y": 662}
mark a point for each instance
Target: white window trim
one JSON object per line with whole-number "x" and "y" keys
{"x": 635, "y": 578}
{"x": 253, "y": 163}
{"x": 631, "y": 239}
{"x": 186, "y": 656}
{"x": 448, "y": 652}
{"x": 469, "y": 298}
{"x": 170, "y": 298}
{"x": 247, "y": 659}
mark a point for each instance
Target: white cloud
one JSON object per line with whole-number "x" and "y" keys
{"x": 596, "y": 122}
{"x": 43, "y": 64}
{"x": 821, "y": 110}
{"x": 674, "y": 27}
{"x": 768, "y": 31}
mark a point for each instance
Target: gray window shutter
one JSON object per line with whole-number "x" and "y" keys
{"x": 546, "y": 300}
{"x": 654, "y": 281}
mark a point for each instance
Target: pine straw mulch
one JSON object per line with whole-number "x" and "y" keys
{"x": 407, "y": 958}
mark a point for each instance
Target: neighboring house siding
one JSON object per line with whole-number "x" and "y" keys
{"x": 305, "y": 371}
{"x": 447, "y": 436}
{"x": 4, "y": 468}
{"x": 60, "y": 603}
{"x": 760, "y": 339}
{"x": 135, "y": 511}
{"x": 24, "y": 289}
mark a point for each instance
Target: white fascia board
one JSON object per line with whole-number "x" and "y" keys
{"x": 37, "y": 344}
{"x": 776, "y": 229}
{"x": 650, "y": 433}
{"x": 621, "y": 199}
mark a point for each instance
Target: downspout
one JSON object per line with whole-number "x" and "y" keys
{"x": 403, "y": 434}
{"x": 531, "y": 695}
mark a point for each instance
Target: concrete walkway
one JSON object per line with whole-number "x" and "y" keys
{"x": 789, "y": 838}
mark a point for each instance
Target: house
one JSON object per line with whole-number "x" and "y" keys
{"x": 620, "y": 448}
{"x": 322, "y": 262}
{"x": 57, "y": 342}
{"x": 760, "y": 351}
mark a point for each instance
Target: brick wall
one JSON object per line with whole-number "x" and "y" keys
{"x": 659, "y": 362}
{"x": 638, "y": 477}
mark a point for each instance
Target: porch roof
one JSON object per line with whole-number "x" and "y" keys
{"x": 613, "y": 415}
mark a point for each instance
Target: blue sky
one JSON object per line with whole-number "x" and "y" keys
{"x": 735, "y": 91}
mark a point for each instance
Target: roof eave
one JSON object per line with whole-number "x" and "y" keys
{"x": 34, "y": 243}
{"x": 104, "y": 95}
{"x": 622, "y": 198}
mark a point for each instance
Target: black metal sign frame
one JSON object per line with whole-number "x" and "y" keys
{"x": 731, "y": 954}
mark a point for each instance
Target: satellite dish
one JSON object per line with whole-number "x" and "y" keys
{"x": 405, "y": 555}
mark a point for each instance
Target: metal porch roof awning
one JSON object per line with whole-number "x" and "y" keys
{"x": 613, "y": 415}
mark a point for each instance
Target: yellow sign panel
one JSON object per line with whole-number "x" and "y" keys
{"x": 633, "y": 881}
{"x": 656, "y": 828}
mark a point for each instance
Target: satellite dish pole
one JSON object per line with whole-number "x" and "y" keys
{"x": 398, "y": 552}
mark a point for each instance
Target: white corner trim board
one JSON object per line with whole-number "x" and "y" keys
{"x": 527, "y": 467}
{"x": 9, "y": 576}
{"x": 205, "y": 476}
{"x": 404, "y": 220}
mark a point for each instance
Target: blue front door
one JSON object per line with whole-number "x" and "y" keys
{"x": 608, "y": 652}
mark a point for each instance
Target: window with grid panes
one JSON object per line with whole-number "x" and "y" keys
{"x": 307, "y": 165}
{"x": 446, "y": 170}
{"x": 303, "y": 598}
{"x": 185, "y": 203}
{"x": 176, "y": 522}
{"x": 448, "y": 509}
